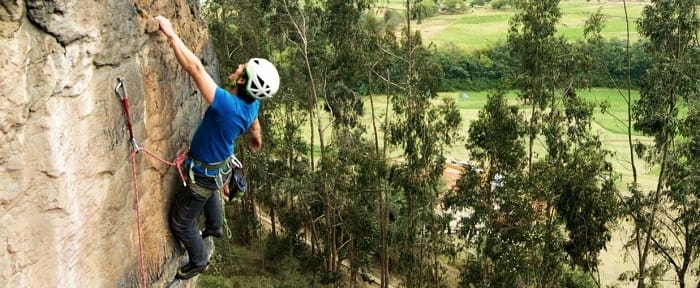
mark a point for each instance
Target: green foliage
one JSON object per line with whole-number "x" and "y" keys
{"x": 480, "y": 70}
{"x": 454, "y": 6}
{"x": 346, "y": 81}
{"x": 587, "y": 189}
{"x": 522, "y": 218}
{"x": 496, "y": 136}
{"x": 237, "y": 267}
{"x": 207, "y": 281}
{"x": 393, "y": 19}
{"x": 666, "y": 220}
{"x": 500, "y": 4}
{"x": 494, "y": 67}
{"x": 479, "y": 2}
{"x": 609, "y": 67}
{"x": 578, "y": 279}
{"x": 424, "y": 9}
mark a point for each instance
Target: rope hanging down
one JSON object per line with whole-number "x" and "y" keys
{"x": 120, "y": 89}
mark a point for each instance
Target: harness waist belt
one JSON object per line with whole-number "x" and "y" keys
{"x": 220, "y": 170}
{"x": 209, "y": 166}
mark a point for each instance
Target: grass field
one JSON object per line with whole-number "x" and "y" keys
{"x": 481, "y": 27}
{"x": 614, "y": 120}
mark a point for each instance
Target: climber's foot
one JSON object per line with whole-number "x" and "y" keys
{"x": 190, "y": 270}
{"x": 215, "y": 232}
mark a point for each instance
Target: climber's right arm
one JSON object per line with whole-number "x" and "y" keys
{"x": 188, "y": 61}
{"x": 254, "y": 136}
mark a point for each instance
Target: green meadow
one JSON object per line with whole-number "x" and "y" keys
{"x": 482, "y": 27}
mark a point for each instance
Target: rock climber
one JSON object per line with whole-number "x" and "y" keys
{"x": 230, "y": 114}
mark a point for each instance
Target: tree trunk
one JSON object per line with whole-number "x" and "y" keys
{"x": 272, "y": 221}
{"x": 629, "y": 95}
{"x": 385, "y": 206}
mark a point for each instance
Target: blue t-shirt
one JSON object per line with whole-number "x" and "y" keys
{"x": 225, "y": 119}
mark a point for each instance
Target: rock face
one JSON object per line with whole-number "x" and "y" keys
{"x": 67, "y": 204}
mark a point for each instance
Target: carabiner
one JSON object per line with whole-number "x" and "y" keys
{"x": 122, "y": 95}
{"x": 134, "y": 146}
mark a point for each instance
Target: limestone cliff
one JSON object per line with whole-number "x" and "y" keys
{"x": 67, "y": 203}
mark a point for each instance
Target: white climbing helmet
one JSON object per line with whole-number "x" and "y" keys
{"x": 263, "y": 79}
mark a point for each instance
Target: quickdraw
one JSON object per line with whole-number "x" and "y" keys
{"x": 125, "y": 102}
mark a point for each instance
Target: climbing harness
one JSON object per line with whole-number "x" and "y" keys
{"x": 221, "y": 168}
{"x": 120, "y": 90}
{"x": 234, "y": 176}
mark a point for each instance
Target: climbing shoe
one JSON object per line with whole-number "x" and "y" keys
{"x": 190, "y": 270}
{"x": 216, "y": 232}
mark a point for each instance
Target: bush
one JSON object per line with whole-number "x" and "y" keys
{"x": 500, "y": 4}
{"x": 480, "y": 70}
{"x": 578, "y": 279}
{"x": 475, "y": 2}
{"x": 455, "y": 6}
{"x": 392, "y": 19}
{"x": 424, "y": 9}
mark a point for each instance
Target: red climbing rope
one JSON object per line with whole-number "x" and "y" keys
{"x": 138, "y": 218}
{"x": 135, "y": 149}
{"x": 177, "y": 163}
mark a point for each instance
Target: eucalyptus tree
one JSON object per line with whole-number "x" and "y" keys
{"x": 495, "y": 227}
{"x": 352, "y": 43}
{"x": 387, "y": 65}
{"x": 301, "y": 23}
{"x": 532, "y": 41}
{"x": 421, "y": 130}
{"x": 337, "y": 52}
{"x": 668, "y": 218}
{"x": 520, "y": 223}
